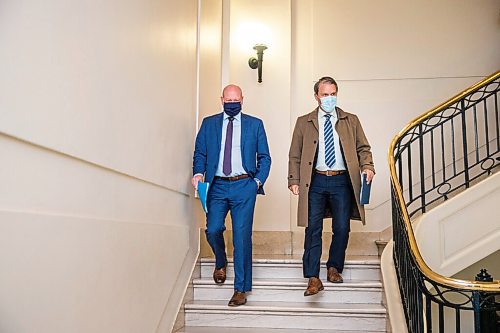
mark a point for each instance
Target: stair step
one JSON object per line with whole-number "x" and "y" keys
{"x": 291, "y": 315}
{"x": 354, "y": 269}
{"x": 292, "y": 290}
{"x": 257, "y": 330}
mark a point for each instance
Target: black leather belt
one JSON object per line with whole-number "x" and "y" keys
{"x": 331, "y": 172}
{"x": 232, "y": 178}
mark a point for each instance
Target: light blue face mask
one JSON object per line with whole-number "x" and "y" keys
{"x": 328, "y": 103}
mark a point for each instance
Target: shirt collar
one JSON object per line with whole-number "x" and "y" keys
{"x": 322, "y": 114}
{"x": 237, "y": 117}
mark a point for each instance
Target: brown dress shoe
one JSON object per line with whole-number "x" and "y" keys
{"x": 220, "y": 275}
{"x": 238, "y": 299}
{"x": 334, "y": 276}
{"x": 314, "y": 286}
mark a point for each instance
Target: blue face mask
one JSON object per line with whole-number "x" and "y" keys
{"x": 232, "y": 108}
{"x": 328, "y": 103}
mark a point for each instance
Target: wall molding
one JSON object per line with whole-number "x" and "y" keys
{"x": 415, "y": 78}
{"x": 89, "y": 163}
{"x": 79, "y": 217}
{"x": 292, "y": 243}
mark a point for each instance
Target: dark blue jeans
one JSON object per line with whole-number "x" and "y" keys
{"x": 239, "y": 198}
{"x": 335, "y": 192}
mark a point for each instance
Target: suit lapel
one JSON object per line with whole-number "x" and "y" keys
{"x": 244, "y": 126}
{"x": 218, "y": 131}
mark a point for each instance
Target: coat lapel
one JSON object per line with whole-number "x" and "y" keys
{"x": 341, "y": 127}
{"x": 313, "y": 117}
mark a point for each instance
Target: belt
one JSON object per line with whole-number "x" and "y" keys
{"x": 331, "y": 172}
{"x": 232, "y": 178}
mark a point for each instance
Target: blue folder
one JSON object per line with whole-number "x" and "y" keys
{"x": 202, "y": 193}
{"x": 364, "y": 195}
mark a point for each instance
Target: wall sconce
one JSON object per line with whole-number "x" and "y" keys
{"x": 257, "y": 62}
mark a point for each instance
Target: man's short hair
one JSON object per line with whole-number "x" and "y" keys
{"x": 324, "y": 79}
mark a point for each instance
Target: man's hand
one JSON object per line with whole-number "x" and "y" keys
{"x": 195, "y": 180}
{"x": 369, "y": 175}
{"x": 294, "y": 189}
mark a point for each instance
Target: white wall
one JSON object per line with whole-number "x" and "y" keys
{"x": 490, "y": 263}
{"x": 96, "y": 80}
{"x": 462, "y": 230}
{"x": 456, "y": 239}
{"x": 98, "y": 115}
{"x": 210, "y": 71}
{"x": 393, "y": 61}
{"x": 97, "y": 119}
{"x": 460, "y": 237}
{"x": 269, "y": 23}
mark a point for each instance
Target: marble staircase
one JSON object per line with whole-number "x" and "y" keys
{"x": 260, "y": 330}
{"x": 277, "y": 304}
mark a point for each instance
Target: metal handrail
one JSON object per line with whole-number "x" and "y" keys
{"x": 422, "y": 266}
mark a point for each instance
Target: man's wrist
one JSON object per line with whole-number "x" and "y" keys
{"x": 259, "y": 183}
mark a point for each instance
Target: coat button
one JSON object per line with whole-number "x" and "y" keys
{"x": 310, "y": 163}
{"x": 307, "y": 185}
{"x": 314, "y": 141}
{"x": 290, "y": 176}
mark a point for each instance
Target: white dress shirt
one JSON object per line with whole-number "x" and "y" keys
{"x": 339, "y": 161}
{"x": 236, "y": 162}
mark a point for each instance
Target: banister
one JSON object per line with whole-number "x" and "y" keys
{"x": 424, "y": 268}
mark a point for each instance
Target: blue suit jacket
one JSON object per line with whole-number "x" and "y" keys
{"x": 254, "y": 148}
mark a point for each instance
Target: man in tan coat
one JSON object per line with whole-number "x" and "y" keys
{"x": 328, "y": 153}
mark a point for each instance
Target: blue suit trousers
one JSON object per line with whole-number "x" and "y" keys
{"x": 335, "y": 192}
{"x": 239, "y": 198}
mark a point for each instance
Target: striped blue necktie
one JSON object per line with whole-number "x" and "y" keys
{"x": 329, "y": 144}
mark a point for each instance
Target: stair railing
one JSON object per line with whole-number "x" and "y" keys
{"x": 436, "y": 156}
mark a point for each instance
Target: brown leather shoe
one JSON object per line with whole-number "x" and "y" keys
{"x": 220, "y": 275}
{"x": 334, "y": 276}
{"x": 314, "y": 286}
{"x": 238, "y": 299}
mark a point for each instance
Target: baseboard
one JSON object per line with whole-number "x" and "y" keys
{"x": 292, "y": 243}
{"x": 397, "y": 320}
{"x": 360, "y": 243}
{"x": 173, "y": 316}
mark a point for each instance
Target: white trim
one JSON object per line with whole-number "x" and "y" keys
{"x": 394, "y": 306}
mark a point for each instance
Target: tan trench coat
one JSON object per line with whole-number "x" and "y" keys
{"x": 301, "y": 158}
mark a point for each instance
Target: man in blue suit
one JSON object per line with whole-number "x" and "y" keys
{"x": 231, "y": 152}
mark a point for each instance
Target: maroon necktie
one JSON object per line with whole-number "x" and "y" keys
{"x": 226, "y": 166}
